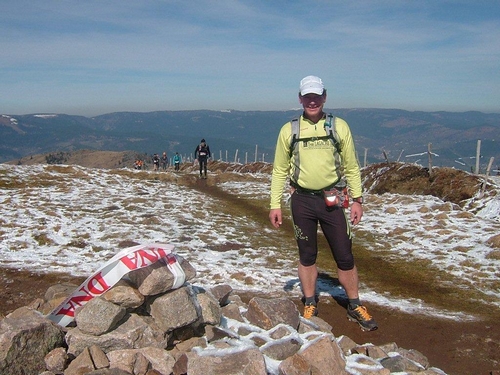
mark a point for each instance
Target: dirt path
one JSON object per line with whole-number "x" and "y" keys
{"x": 458, "y": 348}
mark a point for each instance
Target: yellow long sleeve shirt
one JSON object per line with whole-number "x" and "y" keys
{"x": 313, "y": 166}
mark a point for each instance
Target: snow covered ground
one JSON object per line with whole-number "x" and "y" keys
{"x": 70, "y": 219}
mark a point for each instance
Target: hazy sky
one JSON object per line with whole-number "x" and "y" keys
{"x": 94, "y": 57}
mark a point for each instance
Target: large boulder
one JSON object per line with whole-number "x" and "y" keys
{"x": 26, "y": 337}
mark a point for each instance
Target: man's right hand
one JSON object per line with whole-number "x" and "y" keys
{"x": 275, "y": 217}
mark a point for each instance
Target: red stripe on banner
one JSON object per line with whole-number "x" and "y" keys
{"x": 128, "y": 259}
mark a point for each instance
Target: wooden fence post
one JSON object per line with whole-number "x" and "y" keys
{"x": 429, "y": 153}
{"x": 385, "y": 156}
{"x": 478, "y": 155}
{"x": 401, "y": 153}
{"x": 488, "y": 169}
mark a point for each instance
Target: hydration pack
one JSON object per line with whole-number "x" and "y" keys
{"x": 203, "y": 150}
{"x": 331, "y": 134}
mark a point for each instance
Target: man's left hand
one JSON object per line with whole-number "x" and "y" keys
{"x": 356, "y": 213}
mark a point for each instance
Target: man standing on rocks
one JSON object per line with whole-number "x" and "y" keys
{"x": 317, "y": 153}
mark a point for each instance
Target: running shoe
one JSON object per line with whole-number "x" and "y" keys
{"x": 310, "y": 311}
{"x": 361, "y": 316}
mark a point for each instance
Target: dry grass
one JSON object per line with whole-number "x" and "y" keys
{"x": 494, "y": 241}
{"x": 495, "y": 254}
{"x": 448, "y": 184}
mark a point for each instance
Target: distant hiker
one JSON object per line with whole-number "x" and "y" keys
{"x": 202, "y": 152}
{"x": 164, "y": 161}
{"x": 156, "y": 162}
{"x": 313, "y": 160}
{"x": 138, "y": 164}
{"x": 177, "y": 161}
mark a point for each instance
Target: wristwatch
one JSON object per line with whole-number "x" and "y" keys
{"x": 358, "y": 200}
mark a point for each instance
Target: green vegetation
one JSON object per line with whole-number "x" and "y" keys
{"x": 57, "y": 158}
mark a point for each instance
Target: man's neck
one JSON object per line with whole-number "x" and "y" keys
{"x": 314, "y": 119}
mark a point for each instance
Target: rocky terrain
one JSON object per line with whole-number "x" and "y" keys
{"x": 141, "y": 326}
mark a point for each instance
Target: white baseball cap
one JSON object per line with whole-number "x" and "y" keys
{"x": 311, "y": 85}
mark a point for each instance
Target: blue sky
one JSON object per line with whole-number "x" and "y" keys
{"x": 94, "y": 57}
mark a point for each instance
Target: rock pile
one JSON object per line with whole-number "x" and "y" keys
{"x": 143, "y": 327}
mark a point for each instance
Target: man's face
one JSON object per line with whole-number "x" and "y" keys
{"x": 313, "y": 104}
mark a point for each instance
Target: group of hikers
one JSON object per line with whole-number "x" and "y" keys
{"x": 160, "y": 160}
{"x": 201, "y": 153}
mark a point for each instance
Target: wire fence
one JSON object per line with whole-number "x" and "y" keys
{"x": 477, "y": 164}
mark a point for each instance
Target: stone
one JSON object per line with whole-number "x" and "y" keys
{"x": 267, "y": 313}
{"x": 56, "y": 360}
{"x": 125, "y": 295}
{"x": 214, "y": 333}
{"x": 364, "y": 365}
{"x": 245, "y": 362}
{"x": 211, "y": 312}
{"x": 159, "y": 359}
{"x": 39, "y": 337}
{"x": 325, "y": 354}
{"x": 416, "y": 356}
{"x": 59, "y": 291}
{"x": 400, "y": 364}
{"x": 98, "y": 316}
{"x": 98, "y": 357}
{"x": 134, "y": 332}
{"x": 279, "y": 332}
{"x": 221, "y": 293}
{"x": 81, "y": 364}
{"x": 236, "y": 299}
{"x": 375, "y": 352}
{"x": 314, "y": 324}
{"x": 186, "y": 346}
{"x": 157, "y": 278}
{"x": 282, "y": 349}
{"x": 390, "y": 347}
{"x": 232, "y": 311}
{"x": 109, "y": 371}
{"x": 141, "y": 364}
{"x": 297, "y": 365}
{"x": 346, "y": 344}
{"x": 174, "y": 309}
{"x": 180, "y": 367}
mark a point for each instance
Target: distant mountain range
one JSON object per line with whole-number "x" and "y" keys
{"x": 399, "y": 133}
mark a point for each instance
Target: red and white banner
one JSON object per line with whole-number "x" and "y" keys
{"x": 129, "y": 259}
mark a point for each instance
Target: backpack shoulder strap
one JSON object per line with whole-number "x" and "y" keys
{"x": 329, "y": 128}
{"x": 295, "y": 134}
{"x": 295, "y": 128}
{"x": 332, "y": 132}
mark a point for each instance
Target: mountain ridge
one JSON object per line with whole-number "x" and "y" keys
{"x": 453, "y": 135}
